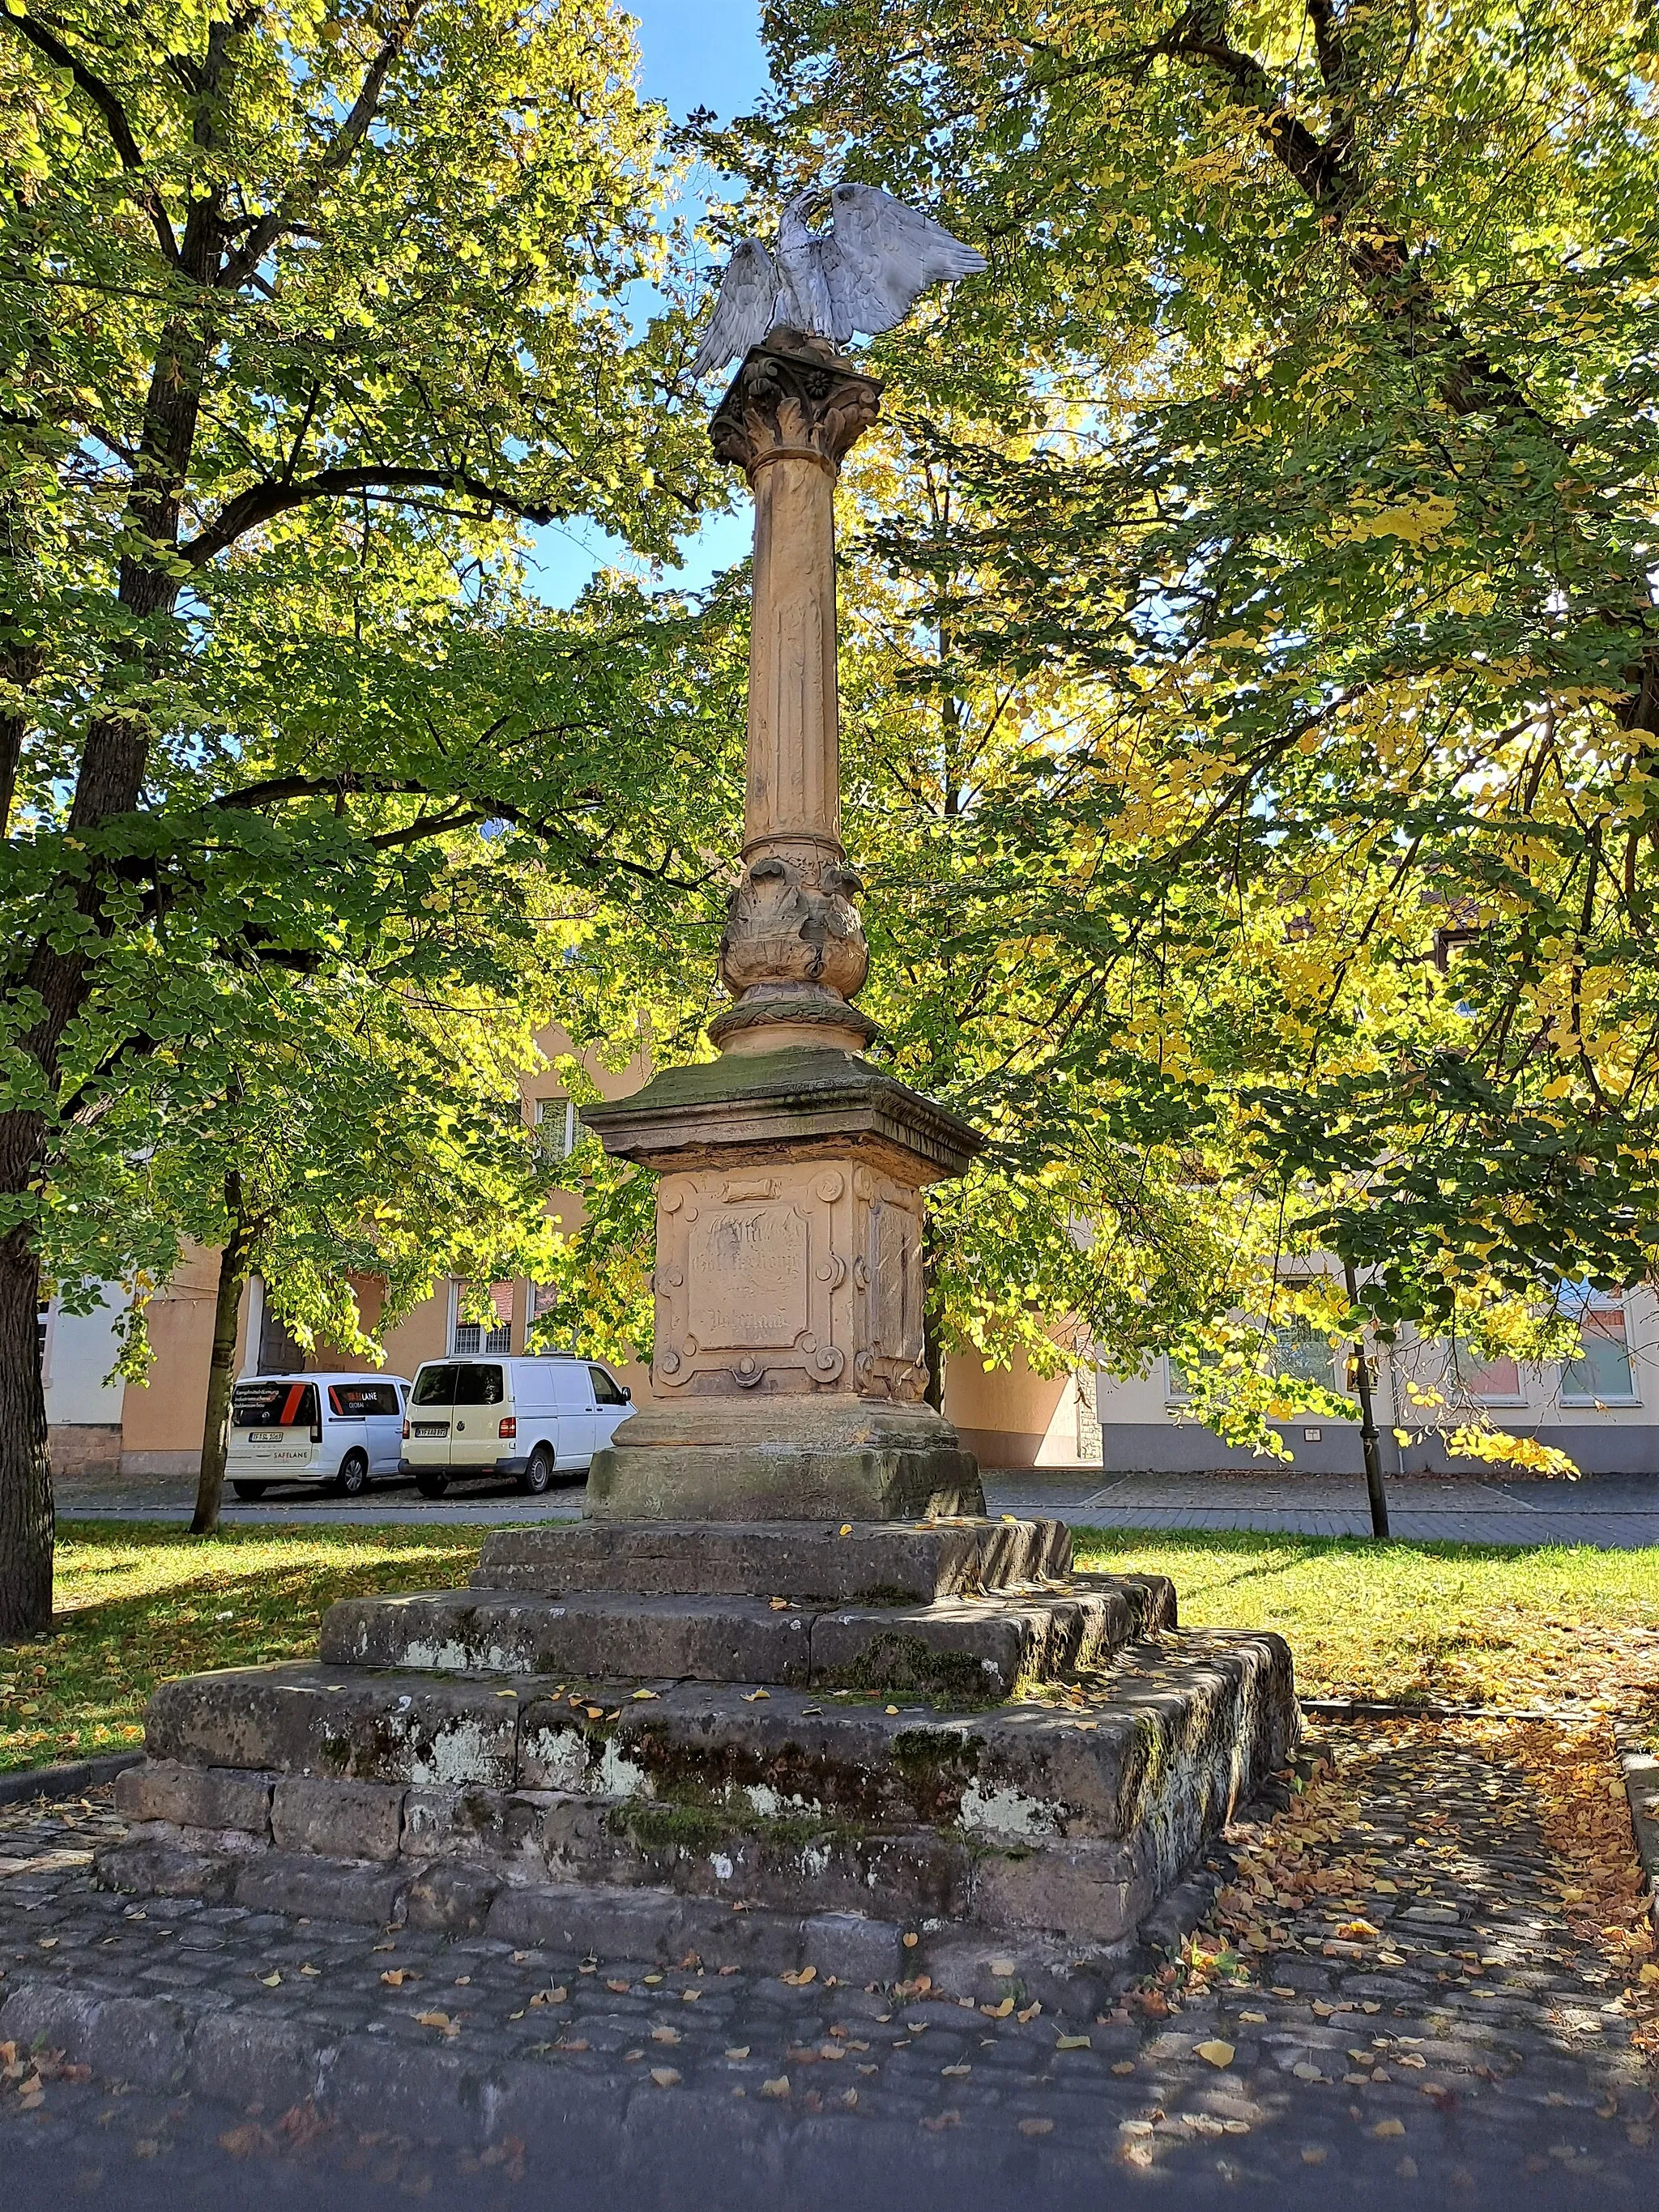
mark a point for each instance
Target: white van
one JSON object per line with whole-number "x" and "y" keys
{"x": 342, "y": 1430}
{"x": 532, "y": 1419}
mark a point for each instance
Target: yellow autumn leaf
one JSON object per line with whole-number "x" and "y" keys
{"x": 1216, "y": 2052}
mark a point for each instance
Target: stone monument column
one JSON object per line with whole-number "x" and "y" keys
{"x": 788, "y": 1377}
{"x": 792, "y": 953}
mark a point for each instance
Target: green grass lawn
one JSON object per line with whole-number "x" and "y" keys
{"x": 1419, "y": 1622}
{"x": 140, "y": 1603}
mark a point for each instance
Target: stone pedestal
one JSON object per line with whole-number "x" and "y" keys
{"x": 887, "y": 1745}
{"x": 788, "y": 1369}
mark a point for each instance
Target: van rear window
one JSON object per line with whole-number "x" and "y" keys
{"x": 435, "y": 1386}
{"x": 274, "y": 1404}
{"x": 478, "y": 1386}
{"x": 352, "y": 1400}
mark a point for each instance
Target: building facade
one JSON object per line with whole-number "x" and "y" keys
{"x": 1603, "y": 1410}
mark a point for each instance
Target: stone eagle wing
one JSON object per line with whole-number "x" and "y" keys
{"x": 743, "y": 310}
{"x": 881, "y": 256}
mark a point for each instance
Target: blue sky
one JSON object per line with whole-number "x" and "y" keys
{"x": 694, "y": 53}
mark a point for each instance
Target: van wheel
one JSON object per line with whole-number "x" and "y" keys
{"x": 538, "y": 1474}
{"x": 431, "y": 1484}
{"x": 253, "y": 1492}
{"x": 353, "y": 1478}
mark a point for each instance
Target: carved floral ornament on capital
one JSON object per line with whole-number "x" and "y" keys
{"x": 812, "y": 404}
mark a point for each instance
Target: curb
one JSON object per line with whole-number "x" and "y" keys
{"x": 1641, "y": 1768}
{"x": 65, "y": 1781}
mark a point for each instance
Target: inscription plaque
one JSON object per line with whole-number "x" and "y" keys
{"x": 750, "y": 1280}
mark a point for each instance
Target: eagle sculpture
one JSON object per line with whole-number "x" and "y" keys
{"x": 866, "y": 273}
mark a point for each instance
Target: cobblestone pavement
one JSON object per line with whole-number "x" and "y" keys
{"x": 1616, "y": 1513}
{"x": 1424, "y": 2023}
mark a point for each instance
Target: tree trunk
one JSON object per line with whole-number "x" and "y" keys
{"x": 1368, "y": 1439}
{"x": 26, "y": 1509}
{"x": 234, "y": 1270}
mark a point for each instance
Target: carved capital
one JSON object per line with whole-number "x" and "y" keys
{"x": 793, "y": 395}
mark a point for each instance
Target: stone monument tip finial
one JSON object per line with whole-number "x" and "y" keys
{"x": 864, "y": 273}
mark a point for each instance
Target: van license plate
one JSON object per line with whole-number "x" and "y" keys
{"x": 431, "y": 1428}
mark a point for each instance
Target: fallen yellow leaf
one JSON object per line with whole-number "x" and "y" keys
{"x": 1385, "y": 2128}
{"x": 666, "y": 2077}
{"x": 1216, "y": 2052}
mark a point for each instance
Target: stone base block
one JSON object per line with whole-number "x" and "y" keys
{"x": 871, "y": 1562}
{"x": 685, "y": 1482}
{"x": 962, "y": 1651}
{"x": 833, "y": 1457}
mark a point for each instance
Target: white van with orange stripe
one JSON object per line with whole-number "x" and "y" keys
{"x": 341, "y": 1430}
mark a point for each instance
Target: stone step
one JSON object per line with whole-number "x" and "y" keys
{"x": 1065, "y": 1820}
{"x": 1168, "y": 1731}
{"x": 607, "y": 1920}
{"x": 964, "y": 1648}
{"x": 868, "y": 1562}
{"x": 1091, "y": 1891}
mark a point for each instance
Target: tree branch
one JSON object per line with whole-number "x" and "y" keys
{"x": 345, "y": 141}
{"x": 1388, "y": 270}
{"x": 262, "y": 503}
{"x": 103, "y": 97}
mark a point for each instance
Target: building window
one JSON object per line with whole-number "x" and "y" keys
{"x": 44, "y": 1315}
{"x": 1602, "y": 1374}
{"x": 558, "y": 1126}
{"x": 1292, "y": 1347}
{"x": 1295, "y": 1348}
{"x": 471, "y": 1336}
{"x": 1488, "y": 1382}
{"x": 539, "y": 1320}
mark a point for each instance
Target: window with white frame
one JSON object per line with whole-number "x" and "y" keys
{"x": 1602, "y": 1374}
{"x": 1487, "y": 1382}
{"x": 558, "y": 1126}
{"x": 496, "y": 1336}
{"x": 1294, "y": 1348}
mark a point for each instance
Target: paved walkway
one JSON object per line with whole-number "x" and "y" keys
{"x": 1610, "y": 1511}
{"x": 1413, "y": 2010}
